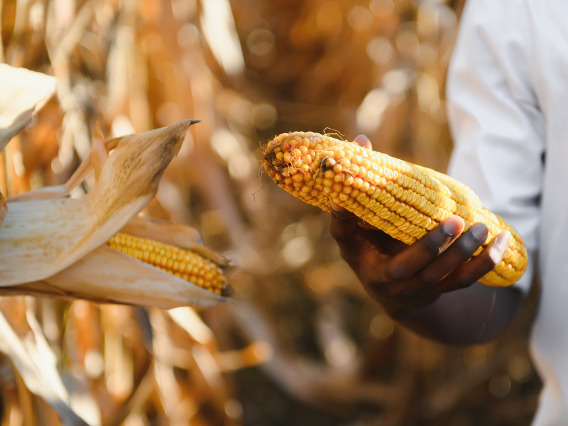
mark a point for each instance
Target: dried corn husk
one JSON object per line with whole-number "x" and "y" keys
{"x": 23, "y": 93}
{"x": 63, "y": 238}
{"x": 106, "y": 275}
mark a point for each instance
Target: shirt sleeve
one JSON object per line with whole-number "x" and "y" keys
{"x": 495, "y": 120}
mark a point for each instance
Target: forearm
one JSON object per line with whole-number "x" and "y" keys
{"x": 472, "y": 315}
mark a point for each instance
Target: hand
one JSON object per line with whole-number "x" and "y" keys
{"x": 405, "y": 278}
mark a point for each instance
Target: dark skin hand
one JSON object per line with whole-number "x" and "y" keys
{"x": 430, "y": 286}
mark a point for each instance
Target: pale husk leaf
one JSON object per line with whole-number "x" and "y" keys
{"x": 176, "y": 234}
{"x": 23, "y": 93}
{"x": 106, "y": 275}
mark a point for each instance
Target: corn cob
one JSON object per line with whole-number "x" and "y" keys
{"x": 402, "y": 199}
{"x": 182, "y": 263}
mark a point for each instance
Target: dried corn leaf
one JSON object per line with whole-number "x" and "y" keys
{"x": 37, "y": 364}
{"x": 23, "y": 93}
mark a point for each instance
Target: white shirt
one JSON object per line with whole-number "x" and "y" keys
{"x": 508, "y": 112}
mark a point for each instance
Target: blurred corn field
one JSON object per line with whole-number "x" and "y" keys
{"x": 299, "y": 343}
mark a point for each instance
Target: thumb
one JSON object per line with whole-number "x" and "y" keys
{"x": 364, "y": 141}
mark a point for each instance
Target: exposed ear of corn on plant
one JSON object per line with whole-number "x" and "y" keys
{"x": 65, "y": 236}
{"x": 126, "y": 279}
{"x": 176, "y": 234}
{"x": 119, "y": 272}
{"x": 185, "y": 264}
{"x": 402, "y": 199}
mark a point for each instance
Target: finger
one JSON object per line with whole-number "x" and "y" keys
{"x": 344, "y": 229}
{"x": 339, "y": 211}
{"x": 363, "y": 141}
{"x": 458, "y": 253}
{"x": 477, "y": 267}
{"x": 379, "y": 240}
{"x": 407, "y": 263}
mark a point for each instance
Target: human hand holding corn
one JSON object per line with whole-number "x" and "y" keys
{"x": 411, "y": 234}
{"x": 402, "y": 199}
{"x": 405, "y": 277}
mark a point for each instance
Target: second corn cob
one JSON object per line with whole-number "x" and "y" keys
{"x": 185, "y": 264}
{"x": 402, "y": 199}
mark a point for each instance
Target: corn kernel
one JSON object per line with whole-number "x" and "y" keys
{"x": 186, "y": 264}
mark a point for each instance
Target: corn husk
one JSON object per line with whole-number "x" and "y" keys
{"x": 63, "y": 237}
{"x": 108, "y": 276}
{"x": 24, "y": 92}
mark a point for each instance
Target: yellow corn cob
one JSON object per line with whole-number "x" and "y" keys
{"x": 402, "y": 199}
{"x": 185, "y": 264}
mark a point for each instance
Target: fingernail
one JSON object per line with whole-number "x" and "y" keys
{"x": 479, "y": 232}
{"x": 500, "y": 246}
{"x": 451, "y": 227}
{"x": 363, "y": 140}
{"x": 502, "y": 240}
